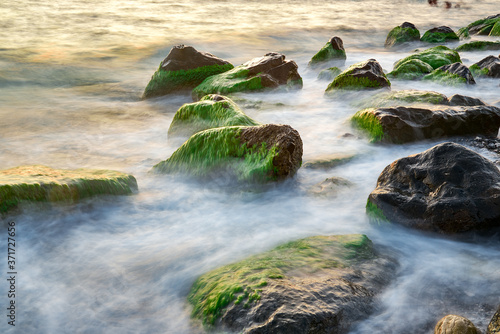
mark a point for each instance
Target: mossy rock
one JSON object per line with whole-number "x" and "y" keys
{"x": 402, "y": 34}
{"x": 257, "y": 153}
{"x": 402, "y": 97}
{"x": 212, "y": 111}
{"x": 495, "y": 31}
{"x": 489, "y": 66}
{"x": 360, "y": 76}
{"x": 455, "y": 74}
{"x": 332, "y": 51}
{"x": 411, "y": 69}
{"x": 435, "y": 57}
{"x": 440, "y": 34}
{"x": 329, "y": 74}
{"x": 375, "y": 214}
{"x": 481, "y": 27}
{"x": 367, "y": 121}
{"x": 44, "y": 184}
{"x": 478, "y": 46}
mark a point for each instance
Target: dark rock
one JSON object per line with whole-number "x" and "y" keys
{"x": 489, "y": 66}
{"x": 405, "y": 33}
{"x": 183, "y": 57}
{"x": 439, "y": 35}
{"x": 408, "y": 25}
{"x": 455, "y": 324}
{"x": 447, "y": 189}
{"x": 483, "y": 26}
{"x": 494, "y": 325}
{"x": 333, "y": 51}
{"x": 456, "y": 73}
{"x": 461, "y": 100}
{"x": 365, "y": 75}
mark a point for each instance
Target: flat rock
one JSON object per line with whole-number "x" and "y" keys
{"x": 330, "y": 187}
{"x": 328, "y": 161}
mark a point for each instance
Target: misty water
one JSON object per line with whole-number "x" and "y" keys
{"x": 71, "y": 77}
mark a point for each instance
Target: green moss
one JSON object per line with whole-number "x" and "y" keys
{"x": 479, "y": 46}
{"x": 207, "y": 114}
{"x": 435, "y": 57}
{"x": 397, "y": 98}
{"x": 242, "y": 282}
{"x": 44, "y": 184}
{"x": 463, "y": 33}
{"x": 329, "y": 73}
{"x": 346, "y": 81}
{"x": 478, "y": 71}
{"x": 445, "y": 77}
{"x": 400, "y": 35}
{"x": 495, "y": 31}
{"x": 375, "y": 214}
{"x": 438, "y": 37}
{"x": 327, "y": 53}
{"x": 167, "y": 82}
{"x": 368, "y": 122}
{"x": 411, "y": 69}
{"x": 488, "y": 25}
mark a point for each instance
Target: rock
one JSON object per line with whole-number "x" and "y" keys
{"x": 495, "y": 31}
{"x": 212, "y": 111}
{"x": 270, "y": 71}
{"x": 435, "y": 57}
{"x": 481, "y": 27}
{"x": 411, "y": 69}
{"x": 364, "y": 75}
{"x": 328, "y": 162}
{"x": 479, "y": 46}
{"x": 330, "y": 187}
{"x": 182, "y": 70}
{"x": 494, "y": 325}
{"x": 453, "y": 74}
{"x": 321, "y": 284}
{"x": 249, "y": 153}
{"x": 461, "y": 100}
{"x": 402, "y": 97}
{"x": 408, "y": 124}
{"x": 489, "y": 66}
{"x": 44, "y": 184}
{"x": 440, "y": 34}
{"x": 405, "y": 33}
{"x": 455, "y": 324}
{"x": 329, "y": 74}
{"x": 333, "y": 51}
{"x": 447, "y": 189}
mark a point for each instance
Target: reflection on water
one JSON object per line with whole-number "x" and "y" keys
{"x": 71, "y": 75}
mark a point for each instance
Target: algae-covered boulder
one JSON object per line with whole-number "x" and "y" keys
{"x": 440, "y": 34}
{"x": 489, "y": 66}
{"x": 435, "y": 57}
{"x": 453, "y": 74}
{"x": 447, "y": 189}
{"x": 249, "y": 153}
{"x": 402, "y": 97}
{"x": 321, "y": 284}
{"x": 494, "y": 325}
{"x": 408, "y": 124}
{"x": 44, "y": 184}
{"x": 482, "y": 27}
{"x": 212, "y": 111}
{"x": 333, "y": 51}
{"x": 183, "y": 69}
{"x": 405, "y": 33}
{"x": 363, "y": 75}
{"x": 329, "y": 74}
{"x": 270, "y": 71}
{"x": 478, "y": 46}
{"x": 412, "y": 69}
{"x": 455, "y": 324}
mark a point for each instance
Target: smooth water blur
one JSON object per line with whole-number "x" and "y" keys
{"x": 71, "y": 77}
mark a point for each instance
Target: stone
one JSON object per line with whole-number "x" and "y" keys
{"x": 412, "y": 69}
{"x": 328, "y": 161}
{"x": 481, "y": 27}
{"x": 183, "y": 69}
{"x": 320, "y": 284}
{"x": 494, "y": 325}
{"x": 408, "y": 124}
{"x": 36, "y": 183}
{"x": 403, "y": 34}
{"x": 489, "y": 66}
{"x": 248, "y": 153}
{"x": 401, "y": 98}
{"x": 447, "y": 189}
{"x": 333, "y": 51}
{"x": 363, "y": 75}
{"x": 329, "y": 74}
{"x": 478, "y": 46}
{"x": 435, "y": 57}
{"x": 455, "y": 324}
{"x": 453, "y": 74}
{"x": 330, "y": 187}
{"x": 462, "y": 100}
{"x": 440, "y": 34}
{"x": 212, "y": 111}
{"x": 267, "y": 72}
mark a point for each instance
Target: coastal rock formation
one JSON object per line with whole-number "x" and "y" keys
{"x": 462, "y": 100}
{"x": 363, "y": 75}
{"x": 489, "y": 66}
{"x": 494, "y": 325}
{"x": 440, "y": 34}
{"x": 405, "y": 33}
{"x": 333, "y": 51}
{"x": 212, "y": 111}
{"x": 486, "y": 26}
{"x": 408, "y": 124}
{"x": 270, "y": 71}
{"x": 478, "y": 46}
{"x": 453, "y": 74}
{"x": 44, "y": 184}
{"x": 321, "y": 284}
{"x": 183, "y": 69}
{"x": 447, "y": 189}
{"x": 249, "y": 153}
{"x": 455, "y": 324}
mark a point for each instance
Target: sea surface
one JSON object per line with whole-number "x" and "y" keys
{"x": 71, "y": 77}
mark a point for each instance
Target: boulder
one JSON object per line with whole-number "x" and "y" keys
{"x": 408, "y": 124}
{"x": 248, "y": 153}
{"x": 363, "y": 75}
{"x": 44, "y": 184}
{"x": 489, "y": 66}
{"x": 478, "y": 46}
{"x": 212, "y": 111}
{"x": 495, "y": 30}
{"x": 182, "y": 70}
{"x": 333, "y": 51}
{"x": 494, "y": 325}
{"x": 455, "y": 324}
{"x": 412, "y": 69}
{"x": 481, "y": 27}
{"x": 462, "y": 100}
{"x": 329, "y": 74}
{"x": 402, "y": 97}
{"x": 270, "y": 71}
{"x": 447, "y": 189}
{"x": 405, "y": 33}
{"x": 435, "y": 57}
{"x": 321, "y": 284}
{"x": 440, "y": 34}
{"x": 453, "y": 74}
{"x": 330, "y": 187}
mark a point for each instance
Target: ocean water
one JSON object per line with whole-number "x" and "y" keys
{"x": 71, "y": 77}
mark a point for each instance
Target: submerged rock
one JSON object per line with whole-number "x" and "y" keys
{"x": 453, "y": 74}
{"x": 440, "y": 34}
{"x": 435, "y": 57}
{"x": 489, "y": 66}
{"x": 321, "y": 284}
{"x": 328, "y": 161}
{"x": 329, "y": 74}
{"x": 330, "y": 187}
{"x": 447, "y": 189}
{"x": 407, "y": 124}
{"x": 402, "y": 97}
{"x": 333, "y": 51}
{"x": 494, "y": 325}
{"x": 270, "y": 71}
{"x": 44, "y": 184}
{"x": 479, "y": 46}
{"x": 482, "y": 27}
{"x": 363, "y": 75}
{"x": 455, "y": 324}
{"x": 462, "y": 100}
{"x": 249, "y": 153}
{"x": 183, "y": 69}
{"x": 405, "y": 33}
{"x": 212, "y": 111}
{"x": 412, "y": 69}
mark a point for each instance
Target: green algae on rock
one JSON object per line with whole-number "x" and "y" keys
{"x": 329, "y": 74}
{"x": 183, "y": 69}
{"x": 333, "y": 51}
{"x": 412, "y": 69}
{"x": 364, "y": 75}
{"x": 212, "y": 111}
{"x": 478, "y": 46}
{"x": 495, "y": 31}
{"x": 402, "y": 97}
{"x": 454, "y": 74}
{"x": 435, "y": 57}
{"x": 440, "y": 34}
{"x": 481, "y": 27}
{"x": 270, "y": 71}
{"x": 44, "y": 184}
{"x": 489, "y": 66}
{"x": 253, "y": 153}
{"x": 405, "y": 33}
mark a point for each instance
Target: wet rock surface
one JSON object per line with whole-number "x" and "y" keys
{"x": 455, "y": 324}
{"x": 439, "y": 34}
{"x": 494, "y": 325}
{"x": 455, "y": 73}
{"x": 405, "y": 33}
{"x": 462, "y": 100}
{"x": 333, "y": 51}
{"x": 489, "y": 66}
{"x": 365, "y": 75}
